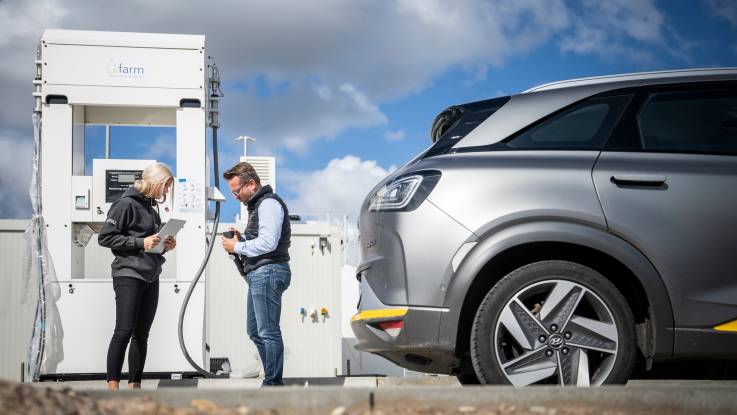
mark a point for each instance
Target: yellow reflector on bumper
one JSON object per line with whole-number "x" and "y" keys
{"x": 390, "y": 312}
{"x": 731, "y": 326}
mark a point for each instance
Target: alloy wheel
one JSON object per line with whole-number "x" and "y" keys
{"x": 556, "y": 332}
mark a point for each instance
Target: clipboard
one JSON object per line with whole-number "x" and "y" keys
{"x": 169, "y": 230}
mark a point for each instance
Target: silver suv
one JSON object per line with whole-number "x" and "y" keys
{"x": 560, "y": 235}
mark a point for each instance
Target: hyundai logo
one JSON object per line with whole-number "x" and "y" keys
{"x": 555, "y": 341}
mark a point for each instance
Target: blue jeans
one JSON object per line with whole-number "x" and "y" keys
{"x": 265, "y": 287}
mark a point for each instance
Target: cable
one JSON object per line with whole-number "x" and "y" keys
{"x": 215, "y": 93}
{"x": 203, "y": 265}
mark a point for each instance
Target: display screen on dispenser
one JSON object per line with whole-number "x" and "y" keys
{"x": 118, "y": 181}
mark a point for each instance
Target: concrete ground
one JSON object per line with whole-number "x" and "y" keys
{"x": 448, "y": 382}
{"x": 427, "y": 395}
{"x": 369, "y": 382}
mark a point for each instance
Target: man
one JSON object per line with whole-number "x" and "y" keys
{"x": 264, "y": 253}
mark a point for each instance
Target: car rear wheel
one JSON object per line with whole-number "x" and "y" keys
{"x": 468, "y": 379}
{"x": 553, "y": 322}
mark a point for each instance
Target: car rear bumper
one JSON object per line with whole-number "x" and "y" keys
{"x": 414, "y": 346}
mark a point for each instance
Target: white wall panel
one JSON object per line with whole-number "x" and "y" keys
{"x": 123, "y": 66}
{"x": 16, "y": 319}
{"x": 311, "y": 348}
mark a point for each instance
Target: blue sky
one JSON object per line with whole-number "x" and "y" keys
{"x": 342, "y": 98}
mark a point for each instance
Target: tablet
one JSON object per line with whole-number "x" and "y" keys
{"x": 170, "y": 229}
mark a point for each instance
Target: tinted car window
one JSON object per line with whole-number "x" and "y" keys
{"x": 585, "y": 126}
{"x": 454, "y": 123}
{"x": 701, "y": 121}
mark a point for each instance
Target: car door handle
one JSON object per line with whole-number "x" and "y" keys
{"x": 638, "y": 179}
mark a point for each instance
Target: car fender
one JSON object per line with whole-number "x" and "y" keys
{"x": 546, "y": 230}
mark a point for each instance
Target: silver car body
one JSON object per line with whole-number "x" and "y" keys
{"x": 671, "y": 251}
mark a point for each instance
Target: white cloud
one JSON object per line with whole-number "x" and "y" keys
{"x": 360, "y": 54}
{"x": 338, "y": 188}
{"x": 584, "y": 39}
{"x": 726, "y": 9}
{"x": 305, "y": 112}
{"x": 630, "y": 29}
{"x": 377, "y": 50}
{"x": 638, "y": 19}
{"x": 21, "y": 25}
{"x": 163, "y": 146}
{"x": 394, "y": 136}
{"x": 324, "y": 73}
{"x": 338, "y": 68}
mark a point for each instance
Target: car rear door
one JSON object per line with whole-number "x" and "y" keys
{"x": 667, "y": 181}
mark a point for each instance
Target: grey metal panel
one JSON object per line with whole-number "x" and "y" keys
{"x": 410, "y": 254}
{"x": 81, "y": 346}
{"x": 9, "y": 225}
{"x": 686, "y": 227}
{"x": 128, "y": 39}
{"x": 16, "y": 319}
{"x": 684, "y": 75}
{"x": 713, "y": 76}
{"x": 705, "y": 343}
{"x": 78, "y": 130}
{"x": 484, "y": 190}
{"x": 97, "y": 260}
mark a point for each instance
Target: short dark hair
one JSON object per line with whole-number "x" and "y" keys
{"x": 244, "y": 171}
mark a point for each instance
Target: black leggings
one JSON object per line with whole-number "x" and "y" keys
{"x": 135, "y": 308}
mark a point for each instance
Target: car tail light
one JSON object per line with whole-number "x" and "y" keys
{"x": 392, "y": 328}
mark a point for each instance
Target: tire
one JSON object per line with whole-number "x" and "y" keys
{"x": 468, "y": 379}
{"x": 585, "y": 335}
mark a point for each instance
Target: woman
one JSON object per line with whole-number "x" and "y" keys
{"x": 131, "y": 227}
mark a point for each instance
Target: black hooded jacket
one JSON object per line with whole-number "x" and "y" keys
{"x": 130, "y": 219}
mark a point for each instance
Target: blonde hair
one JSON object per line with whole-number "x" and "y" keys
{"x": 154, "y": 175}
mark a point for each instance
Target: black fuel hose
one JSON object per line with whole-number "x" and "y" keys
{"x": 203, "y": 265}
